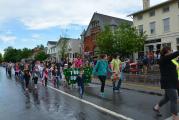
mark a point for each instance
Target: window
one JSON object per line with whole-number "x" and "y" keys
{"x": 140, "y": 28}
{"x": 152, "y": 28}
{"x": 166, "y": 24}
{"x": 166, "y": 9}
{"x": 140, "y": 17}
{"x": 177, "y": 40}
{"x": 166, "y": 44}
{"x": 95, "y": 23}
{"x": 152, "y": 13}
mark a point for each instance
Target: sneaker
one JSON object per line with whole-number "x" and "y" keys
{"x": 157, "y": 112}
{"x": 81, "y": 96}
{"x": 102, "y": 94}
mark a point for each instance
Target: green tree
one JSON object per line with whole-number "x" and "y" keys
{"x": 26, "y": 53}
{"x": 41, "y": 56}
{"x": 1, "y": 58}
{"x": 10, "y": 54}
{"x": 104, "y": 41}
{"x": 63, "y": 46}
{"x": 15, "y": 55}
{"x": 125, "y": 40}
{"x": 128, "y": 40}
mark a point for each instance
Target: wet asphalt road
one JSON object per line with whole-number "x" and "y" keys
{"x": 48, "y": 104}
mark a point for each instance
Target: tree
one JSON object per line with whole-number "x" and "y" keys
{"x": 1, "y": 58}
{"x": 63, "y": 46}
{"x": 15, "y": 55}
{"x": 41, "y": 56}
{"x": 25, "y": 53}
{"x": 10, "y": 54}
{"x": 104, "y": 41}
{"x": 124, "y": 40}
{"x": 128, "y": 40}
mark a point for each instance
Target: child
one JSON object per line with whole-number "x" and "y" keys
{"x": 45, "y": 76}
{"x": 80, "y": 81}
{"x": 35, "y": 76}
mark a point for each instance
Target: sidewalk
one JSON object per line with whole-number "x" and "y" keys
{"x": 144, "y": 88}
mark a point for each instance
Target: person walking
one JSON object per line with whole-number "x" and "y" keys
{"x": 115, "y": 66}
{"x": 101, "y": 70}
{"x": 45, "y": 76}
{"x": 35, "y": 76}
{"x": 17, "y": 70}
{"x": 80, "y": 81}
{"x": 27, "y": 76}
{"x": 169, "y": 79}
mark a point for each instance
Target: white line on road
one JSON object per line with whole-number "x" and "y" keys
{"x": 94, "y": 105}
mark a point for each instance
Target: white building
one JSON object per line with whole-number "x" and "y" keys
{"x": 161, "y": 24}
{"x": 52, "y": 50}
{"x": 73, "y": 47}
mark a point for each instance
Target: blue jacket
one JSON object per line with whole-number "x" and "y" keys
{"x": 101, "y": 68}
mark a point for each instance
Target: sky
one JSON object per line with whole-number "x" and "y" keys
{"x": 28, "y": 23}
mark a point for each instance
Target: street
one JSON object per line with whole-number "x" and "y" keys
{"x": 64, "y": 104}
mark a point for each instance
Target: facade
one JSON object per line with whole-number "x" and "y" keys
{"x": 161, "y": 24}
{"x": 52, "y": 50}
{"x": 96, "y": 25}
{"x": 72, "y": 48}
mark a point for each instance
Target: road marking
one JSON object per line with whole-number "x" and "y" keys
{"x": 92, "y": 104}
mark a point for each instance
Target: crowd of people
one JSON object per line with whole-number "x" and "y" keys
{"x": 46, "y": 71}
{"x": 104, "y": 68}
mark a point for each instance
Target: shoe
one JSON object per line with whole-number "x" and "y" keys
{"x": 157, "y": 112}
{"x": 81, "y": 96}
{"x": 102, "y": 94}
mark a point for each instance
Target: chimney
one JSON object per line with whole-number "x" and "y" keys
{"x": 146, "y": 4}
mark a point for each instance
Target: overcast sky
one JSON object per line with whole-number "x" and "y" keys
{"x": 27, "y": 23}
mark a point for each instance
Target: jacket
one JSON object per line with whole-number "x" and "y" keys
{"x": 169, "y": 76}
{"x": 101, "y": 68}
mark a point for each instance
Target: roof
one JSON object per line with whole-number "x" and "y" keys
{"x": 52, "y": 42}
{"x": 108, "y": 19}
{"x": 153, "y": 7}
{"x": 69, "y": 39}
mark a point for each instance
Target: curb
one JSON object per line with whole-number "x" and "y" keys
{"x": 141, "y": 91}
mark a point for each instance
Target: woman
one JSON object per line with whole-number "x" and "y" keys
{"x": 115, "y": 65}
{"x": 27, "y": 76}
{"x": 101, "y": 70}
{"x": 168, "y": 81}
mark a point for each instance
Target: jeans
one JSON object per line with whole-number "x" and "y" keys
{"x": 118, "y": 84}
{"x": 103, "y": 80}
{"x": 170, "y": 95}
{"x": 46, "y": 81}
{"x": 27, "y": 82}
{"x": 35, "y": 80}
{"x": 81, "y": 90}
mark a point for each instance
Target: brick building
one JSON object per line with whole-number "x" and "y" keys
{"x": 96, "y": 25}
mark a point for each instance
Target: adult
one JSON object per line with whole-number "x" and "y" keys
{"x": 17, "y": 70}
{"x": 115, "y": 66}
{"x": 78, "y": 62}
{"x": 101, "y": 70}
{"x": 169, "y": 79}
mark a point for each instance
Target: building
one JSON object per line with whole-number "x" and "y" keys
{"x": 96, "y": 25}
{"x": 161, "y": 24}
{"x": 69, "y": 47}
{"x": 52, "y": 50}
